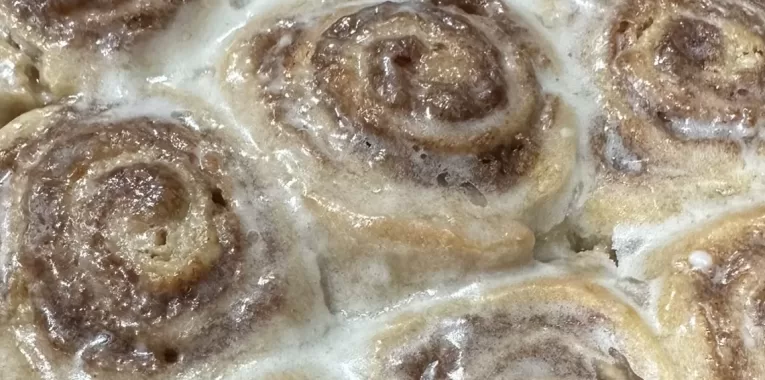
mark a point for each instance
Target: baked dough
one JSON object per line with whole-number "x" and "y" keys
{"x": 131, "y": 250}
{"x": 435, "y": 104}
{"x": 425, "y": 189}
{"x": 17, "y": 82}
{"x": 682, "y": 83}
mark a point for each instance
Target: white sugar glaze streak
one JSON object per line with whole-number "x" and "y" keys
{"x": 184, "y": 58}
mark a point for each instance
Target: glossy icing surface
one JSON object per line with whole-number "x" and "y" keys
{"x": 441, "y": 189}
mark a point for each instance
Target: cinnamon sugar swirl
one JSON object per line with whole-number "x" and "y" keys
{"x": 436, "y": 104}
{"x": 76, "y": 42}
{"x": 102, "y": 24}
{"x": 712, "y": 298}
{"x": 545, "y": 328}
{"x": 130, "y": 249}
{"x": 684, "y": 95}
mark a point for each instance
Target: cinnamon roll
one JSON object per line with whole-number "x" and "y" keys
{"x": 711, "y": 303}
{"x": 562, "y": 328}
{"x": 437, "y": 104}
{"x": 684, "y": 99}
{"x": 130, "y": 247}
{"x": 18, "y": 76}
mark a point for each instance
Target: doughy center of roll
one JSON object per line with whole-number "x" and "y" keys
{"x": 141, "y": 211}
{"x": 421, "y": 72}
{"x": 423, "y": 75}
{"x": 693, "y": 43}
{"x": 126, "y": 229}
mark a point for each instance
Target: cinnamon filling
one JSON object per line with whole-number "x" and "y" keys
{"x": 127, "y": 232}
{"x": 440, "y": 94}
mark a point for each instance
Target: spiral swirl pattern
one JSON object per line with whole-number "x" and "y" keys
{"x": 691, "y": 60}
{"x": 105, "y": 24}
{"x": 713, "y": 291}
{"x": 541, "y": 329}
{"x": 434, "y": 93}
{"x": 443, "y": 99}
{"x": 132, "y": 254}
{"x": 683, "y": 103}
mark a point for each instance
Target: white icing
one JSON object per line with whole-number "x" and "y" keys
{"x": 184, "y": 59}
{"x": 701, "y": 260}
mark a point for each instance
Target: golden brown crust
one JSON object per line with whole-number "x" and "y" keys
{"x": 368, "y": 262}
